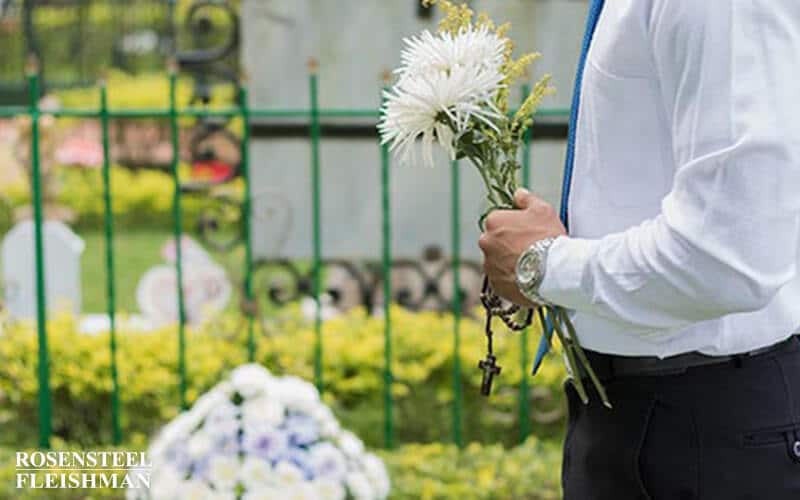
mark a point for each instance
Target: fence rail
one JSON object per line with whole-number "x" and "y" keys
{"x": 314, "y": 115}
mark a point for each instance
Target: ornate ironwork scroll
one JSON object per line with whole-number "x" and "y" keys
{"x": 417, "y": 284}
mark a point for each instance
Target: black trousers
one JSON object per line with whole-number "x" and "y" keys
{"x": 722, "y": 432}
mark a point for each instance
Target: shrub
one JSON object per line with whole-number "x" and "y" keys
{"x": 353, "y": 365}
{"x": 144, "y": 91}
{"x": 141, "y": 199}
{"x": 434, "y": 471}
{"x": 150, "y": 91}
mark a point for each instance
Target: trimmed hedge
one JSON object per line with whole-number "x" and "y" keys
{"x": 529, "y": 471}
{"x": 142, "y": 91}
{"x": 142, "y": 199}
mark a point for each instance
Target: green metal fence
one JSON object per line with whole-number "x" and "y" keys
{"x": 314, "y": 115}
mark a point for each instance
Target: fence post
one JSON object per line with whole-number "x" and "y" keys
{"x": 456, "y": 263}
{"x": 110, "y": 286}
{"x": 250, "y": 309}
{"x": 315, "y": 221}
{"x": 38, "y": 248}
{"x": 177, "y": 230}
{"x": 524, "y": 398}
{"x": 387, "y": 289}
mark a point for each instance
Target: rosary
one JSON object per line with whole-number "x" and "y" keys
{"x": 493, "y": 305}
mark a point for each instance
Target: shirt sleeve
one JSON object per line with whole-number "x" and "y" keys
{"x": 726, "y": 239}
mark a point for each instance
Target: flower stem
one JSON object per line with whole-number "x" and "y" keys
{"x": 583, "y": 359}
{"x": 484, "y": 175}
{"x": 568, "y": 351}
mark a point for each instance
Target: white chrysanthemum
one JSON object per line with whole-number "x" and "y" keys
{"x": 447, "y": 83}
{"x": 222, "y": 420}
{"x": 265, "y": 442}
{"x": 196, "y": 490}
{"x": 299, "y": 491}
{"x": 223, "y": 471}
{"x": 200, "y": 444}
{"x": 377, "y": 474}
{"x": 350, "y": 444}
{"x": 328, "y": 425}
{"x": 438, "y": 107}
{"x": 164, "y": 482}
{"x": 328, "y": 461}
{"x": 251, "y": 379}
{"x": 328, "y": 489}
{"x": 256, "y": 473}
{"x": 359, "y": 487}
{"x": 297, "y": 394}
{"x": 474, "y": 47}
{"x": 207, "y": 402}
{"x": 288, "y": 474}
{"x": 263, "y": 493}
{"x": 225, "y": 495}
{"x": 262, "y": 411}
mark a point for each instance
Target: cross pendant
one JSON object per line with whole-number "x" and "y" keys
{"x": 490, "y": 369}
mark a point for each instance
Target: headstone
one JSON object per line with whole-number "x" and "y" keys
{"x": 206, "y": 288}
{"x": 62, "y": 264}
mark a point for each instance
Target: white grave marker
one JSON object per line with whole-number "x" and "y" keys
{"x": 62, "y": 264}
{"x": 206, "y": 286}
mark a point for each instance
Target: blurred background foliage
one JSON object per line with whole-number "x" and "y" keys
{"x": 140, "y": 90}
{"x": 77, "y": 41}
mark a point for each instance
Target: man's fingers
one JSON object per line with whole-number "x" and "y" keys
{"x": 483, "y": 242}
{"x": 523, "y": 198}
{"x": 498, "y": 218}
{"x": 493, "y": 220}
{"x": 526, "y": 200}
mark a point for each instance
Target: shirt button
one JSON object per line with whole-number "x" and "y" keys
{"x": 796, "y": 449}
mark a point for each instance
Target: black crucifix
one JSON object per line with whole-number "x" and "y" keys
{"x": 494, "y": 307}
{"x": 490, "y": 369}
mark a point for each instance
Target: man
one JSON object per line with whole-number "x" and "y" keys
{"x": 681, "y": 261}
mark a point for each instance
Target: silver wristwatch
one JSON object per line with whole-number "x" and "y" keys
{"x": 531, "y": 265}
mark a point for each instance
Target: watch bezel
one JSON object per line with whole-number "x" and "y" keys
{"x": 527, "y": 268}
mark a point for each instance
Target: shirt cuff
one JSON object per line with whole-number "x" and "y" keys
{"x": 567, "y": 259}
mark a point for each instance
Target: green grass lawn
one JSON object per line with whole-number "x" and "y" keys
{"x": 134, "y": 253}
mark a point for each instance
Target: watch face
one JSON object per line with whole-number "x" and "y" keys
{"x": 527, "y": 267}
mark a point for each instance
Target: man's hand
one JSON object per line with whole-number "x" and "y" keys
{"x": 511, "y": 232}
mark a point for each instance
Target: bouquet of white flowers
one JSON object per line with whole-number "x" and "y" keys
{"x": 453, "y": 89}
{"x": 260, "y": 437}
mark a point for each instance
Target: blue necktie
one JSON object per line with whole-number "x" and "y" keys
{"x": 591, "y": 24}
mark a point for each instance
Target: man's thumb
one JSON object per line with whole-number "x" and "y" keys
{"x": 522, "y": 198}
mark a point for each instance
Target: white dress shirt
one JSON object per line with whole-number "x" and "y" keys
{"x": 685, "y": 201}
